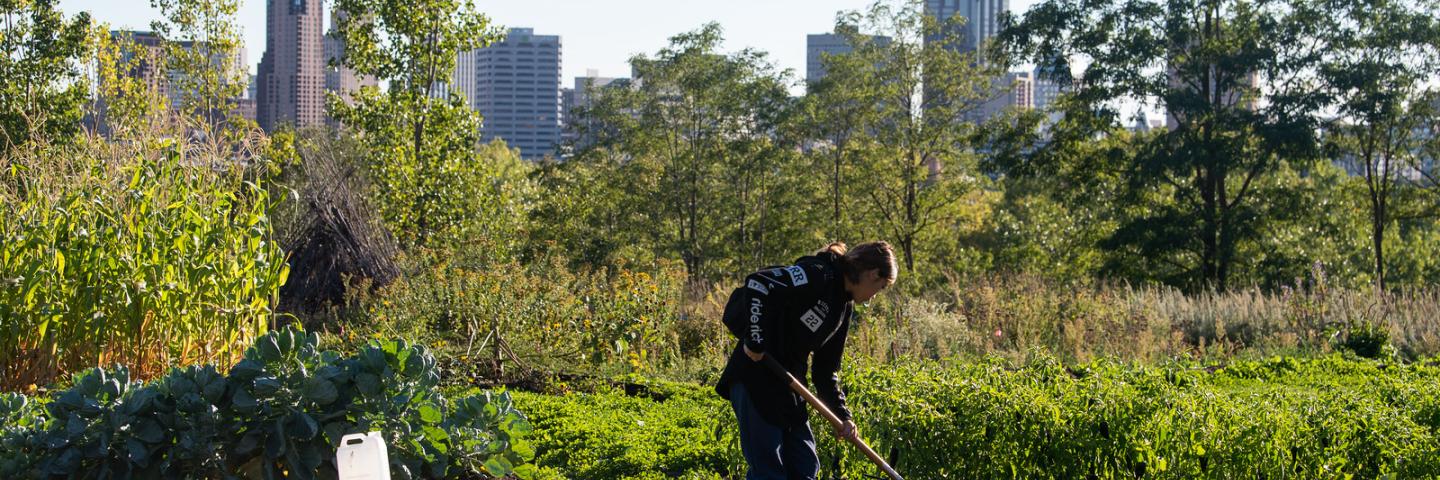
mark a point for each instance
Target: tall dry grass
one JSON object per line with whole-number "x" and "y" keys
{"x": 1013, "y": 315}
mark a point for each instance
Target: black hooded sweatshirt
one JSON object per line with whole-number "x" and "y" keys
{"x": 790, "y": 312}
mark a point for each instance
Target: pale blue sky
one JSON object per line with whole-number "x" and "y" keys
{"x": 599, "y": 35}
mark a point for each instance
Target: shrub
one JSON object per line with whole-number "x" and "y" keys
{"x": 537, "y": 313}
{"x": 1367, "y": 339}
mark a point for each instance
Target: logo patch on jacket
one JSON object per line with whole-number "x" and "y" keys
{"x": 757, "y": 286}
{"x": 812, "y": 320}
{"x": 797, "y": 275}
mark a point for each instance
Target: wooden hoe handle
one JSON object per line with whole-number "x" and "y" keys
{"x": 825, "y": 411}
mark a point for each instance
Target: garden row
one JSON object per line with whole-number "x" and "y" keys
{"x": 1329, "y": 417}
{"x": 281, "y": 412}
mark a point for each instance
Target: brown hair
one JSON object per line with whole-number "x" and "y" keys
{"x": 865, "y": 257}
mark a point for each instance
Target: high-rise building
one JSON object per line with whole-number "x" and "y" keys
{"x": 1010, "y": 90}
{"x": 1023, "y": 93}
{"x": 292, "y": 70}
{"x": 567, "y": 104}
{"x": 819, "y": 45}
{"x": 339, "y": 78}
{"x": 145, "y": 53}
{"x": 580, "y": 97}
{"x": 982, "y": 18}
{"x": 517, "y": 90}
{"x": 247, "y": 106}
{"x": 1241, "y": 95}
{"x": 981, "y": 22}
{"x": 585, "y": 87}
{"x": 462, "y": 80}
{"x": 146, "y": 50}
{"x": 1047, "y": 90}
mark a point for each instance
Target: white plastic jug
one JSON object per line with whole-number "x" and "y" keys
{"x": 362, "y": 456}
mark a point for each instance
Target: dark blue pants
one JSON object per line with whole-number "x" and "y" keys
{"x": 773, "y": 452}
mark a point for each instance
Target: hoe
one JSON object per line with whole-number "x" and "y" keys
{"x": 834, "y": 421}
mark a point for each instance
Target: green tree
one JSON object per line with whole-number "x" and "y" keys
{"x": 834, "y": 113}
{"x": 1233, "y": 77}
{"x": 1379, "y": 67}
{"x": 694, "y": 155}
{"x": 422, "y": 148}
{"x": 911, "y": 99}
{"x": 1316, "y": 215}
{"x": 202, "y": 42}
{"x": 42, "y": 88}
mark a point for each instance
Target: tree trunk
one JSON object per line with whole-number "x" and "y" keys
{"x": 1210, "y": 232}
{"x": 1378, "y": 237}
{"x": 1377, "y": 179}
{"x": 1226, "y": 253}
{"x": 911, "y": 197}
{"x": 422, "y": 217}
{"x": 835, "y": 187}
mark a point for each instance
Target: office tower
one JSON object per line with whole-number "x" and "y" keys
{"x": 145, "y": 53}
{"x": 587, "y": 86}
{"x": 462, "y": 80}
{"x": 982, "y": 18}
{"x": 1009, "y": 90}
{"x": 1047, "y": 90}
{"x": 567, "y": 104}
{"x": 517, "y": 90}
{"x": 581, "y": 97}
{"x": 1022, "y": 95}
{"x": 1242, "y": 95}
{"x": 981, "y": 23}
{"x": 818, "y": 45}
{"x": 339, "y": 78}
{"x": 292, "y": 70}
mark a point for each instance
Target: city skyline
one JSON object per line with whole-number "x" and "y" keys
{"x": 599, "y": 37}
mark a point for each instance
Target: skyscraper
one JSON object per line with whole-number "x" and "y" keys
{"x": 1047, "y": 90}
{"x": 567, "y": 105}
{"x": 981, "y": 23}
{"x": 462, "y": 81}
{"x": 1009, "y": 90}
{"x": 517, "y": 90}
{"x": 818, "y": 45}
{"x": 339, "y": 78}
{"x": 146, "y": 55}
{"x": 586, "y": 86}
{"x": 982, "y": 18}
{"x": 1022, "y": 93}
{"x": 292, "y": 70}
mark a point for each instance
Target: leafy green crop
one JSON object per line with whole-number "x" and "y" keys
{"x": 280, "y": 412}
{"x": 1282, "y": 418}
{"x": 1329, "y": 417}
{"x": 684, "y": 432}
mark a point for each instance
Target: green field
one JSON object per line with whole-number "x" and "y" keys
{"x": 1327, "y": 417}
